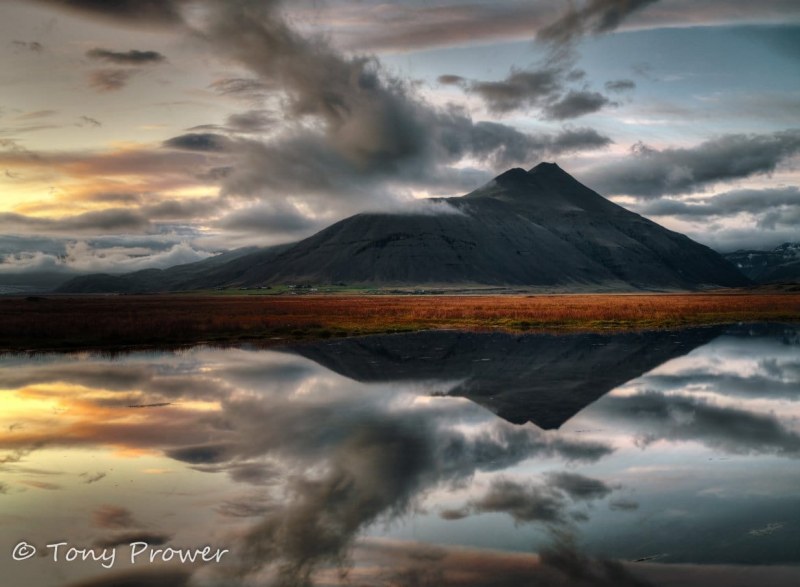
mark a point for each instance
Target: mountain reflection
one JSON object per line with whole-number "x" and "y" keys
{"x": 360, "y": 461}
{"x": 543, "y": 379}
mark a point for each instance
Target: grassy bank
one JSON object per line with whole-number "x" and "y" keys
{"x": 120, "y": 321}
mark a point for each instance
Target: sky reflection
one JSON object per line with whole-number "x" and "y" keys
{"x": 367, "y": 458}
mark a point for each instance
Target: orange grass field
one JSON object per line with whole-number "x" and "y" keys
{"x": 121, "y": 321}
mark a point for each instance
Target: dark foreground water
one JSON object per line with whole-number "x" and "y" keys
{"x": 431, "y": 459}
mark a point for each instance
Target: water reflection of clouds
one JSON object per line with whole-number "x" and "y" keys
{"x": 342, "y": 458}
{"x": 738, "y": 395}
{"x": 658, "y": 416}
{"x": 314, "y": 460}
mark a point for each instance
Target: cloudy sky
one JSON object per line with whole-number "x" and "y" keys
{"x": 148, "y": 133}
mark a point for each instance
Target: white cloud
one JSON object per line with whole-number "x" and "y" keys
{"x": 82, "y": 257}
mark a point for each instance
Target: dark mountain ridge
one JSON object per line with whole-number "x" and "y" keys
{"x": 779, "y": 265}
{"x": 540, "y": 378}
{"x": 524, "y": 228}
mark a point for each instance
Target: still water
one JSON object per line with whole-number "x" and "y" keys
{"x": 430, "y": 459}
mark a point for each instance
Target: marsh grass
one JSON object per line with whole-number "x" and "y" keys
{"x": 107, "y": 321}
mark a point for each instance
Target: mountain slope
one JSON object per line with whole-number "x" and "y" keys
{"x": 540, "y": 227}
{"x": 524, "y": 228}
{"x": 208, "y": 273}
{"x": 780, "y": 265}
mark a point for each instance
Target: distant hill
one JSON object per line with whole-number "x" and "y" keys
{"x": 780, "y": 265}
{"x": 208, "y": 273}
{"x": 524, "y": 228}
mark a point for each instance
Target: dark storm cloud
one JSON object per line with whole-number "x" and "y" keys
{"x": 774, "y": 205}
{"x": 577, "y": 139}
{"x": 375, "y": 471}
{"x": 132, "y": 57}
{"x": 579, "y": 487}
{"x": 520, "y": 89}
{"x": 127, "y": 12}
{"x": 251, "y": 121}
{"x": 503, "y": 146}
{"x": 524, "y": 503}
{"x": 592, "y": 17}
{"x": 681, "y": 418}
{"x": 546, "y": 87}
{"x": 577, "y": 569}
{"x": 548, "y": 502}
{"x": 504, "y": 446}
{"x": 111, "y": 220}
{"x": 201, "y": 454}
{"x": 574, "y": 104}
{"x": 775, "y": 219}
{"x": 369, "y": 119}
{"x": 620, "y": 85}
{"x": 376, "y": 464}
{"x": 269, "y": 216}
{"x": 352, "y": 129}
{"x": 198, "y": 142}
{"x": 372, "y": 128}
{"x": 306, "y": 163}
{"x": 346, "y": 461}
{"x": 264, "y": 429}
{"x": 650, "y": 173}
{"x": 253, "y": 473}
{"x": 772, "y": 380}
{"x": 183, "y": 209}
{"x": 110, "y": 80}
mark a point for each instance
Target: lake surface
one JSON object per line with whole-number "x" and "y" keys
{"x": 429, "y": 459}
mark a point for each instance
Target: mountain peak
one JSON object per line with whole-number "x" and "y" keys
{"x": 545, "y": 186}
{"x": 514, "y": 176}
{"x": 545, "y": 166}
{"x": 550, "y": 171}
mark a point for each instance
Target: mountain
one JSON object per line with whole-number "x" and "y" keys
{"x": 780, "y": 265}
{"x": 26, "y": 282}
{"x": 540, "y": 378}
{"x": 208, "y": 273}
{"x": 524, "y": 228}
